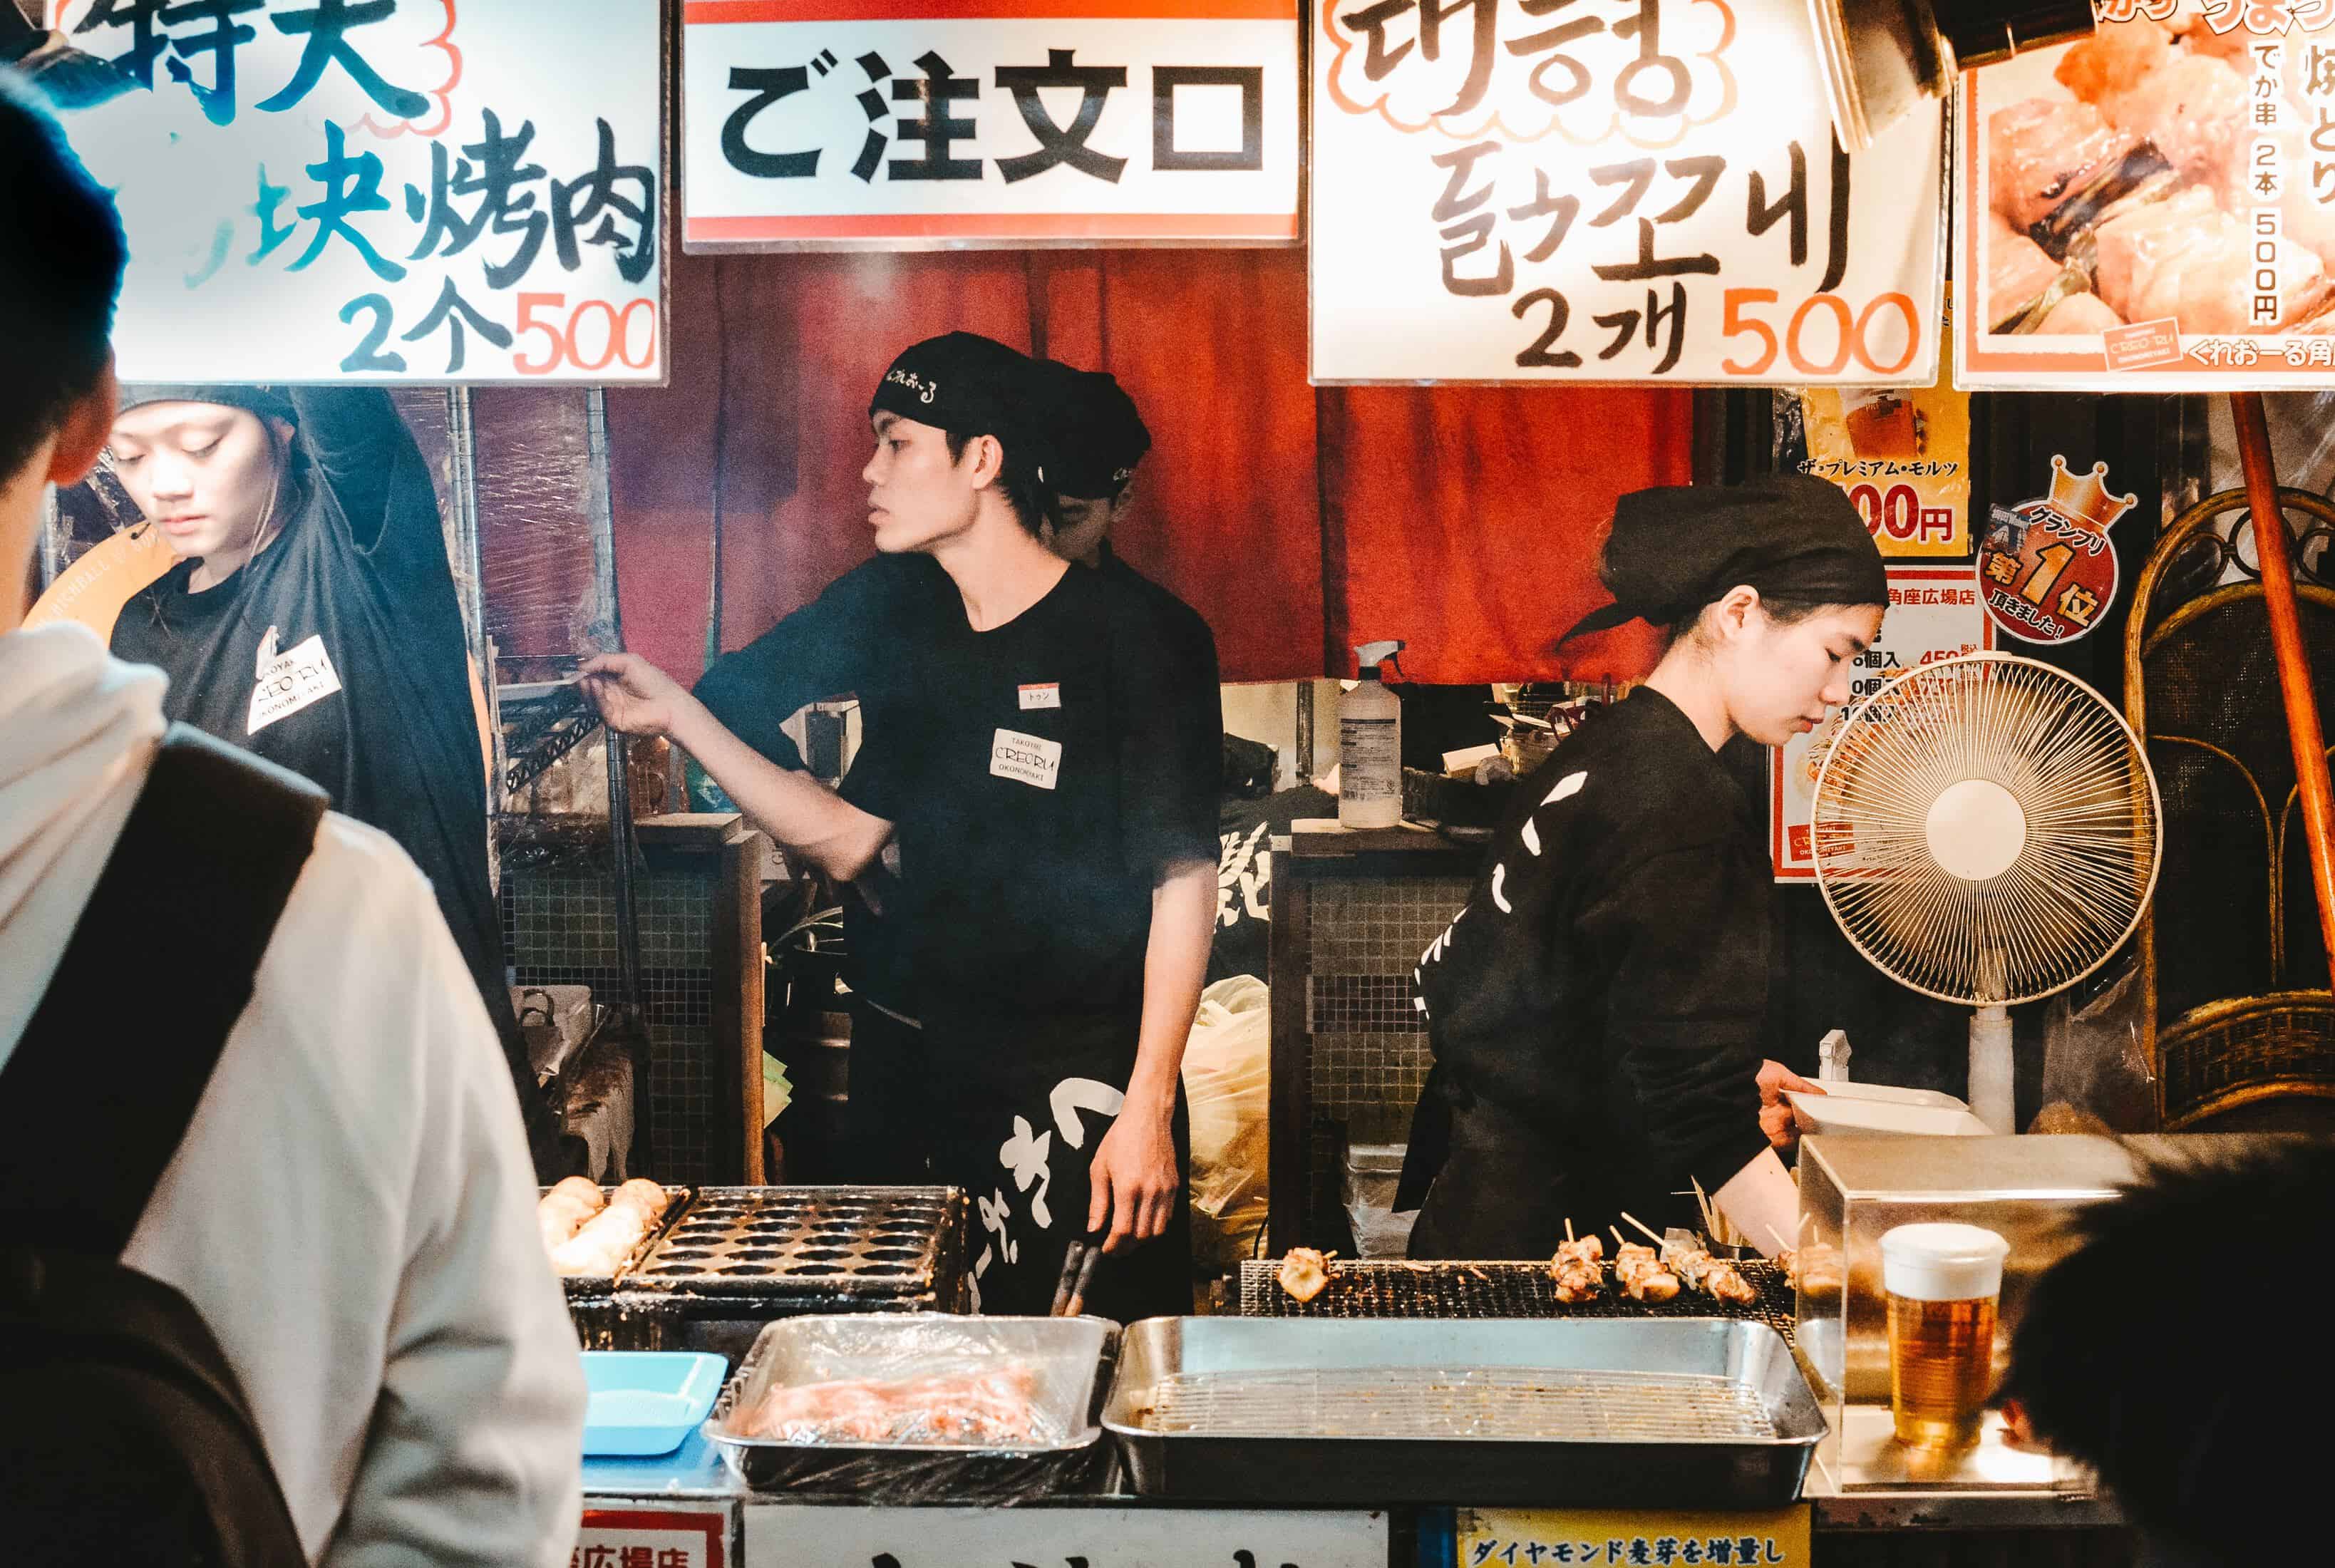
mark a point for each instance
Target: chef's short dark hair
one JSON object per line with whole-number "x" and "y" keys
{"x": 2178, "y": 1350}
{"x": 62, "y": 253}
{"x": 1017, "y": 481}
{"x": 1782, "y": 609}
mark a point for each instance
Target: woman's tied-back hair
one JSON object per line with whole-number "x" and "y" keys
{"x": 61, "y": 254}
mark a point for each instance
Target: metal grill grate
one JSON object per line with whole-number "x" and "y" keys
{"x": 1368, "y": 1288}
{"x": 825, "y": 1241}
{"x": 1496, "y": 1403}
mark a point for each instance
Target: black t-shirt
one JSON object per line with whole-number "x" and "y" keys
{"x": 863, "y": 638}
{"x": 1607, "y": 981}
{"x": 338, "y": 652}
{"x": 1041, "y": 774}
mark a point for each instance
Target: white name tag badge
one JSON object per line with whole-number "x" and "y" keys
{"x": 1025, "y": 759}
{"x": 1047, "y": 695}
{"x": 292, "y": 679}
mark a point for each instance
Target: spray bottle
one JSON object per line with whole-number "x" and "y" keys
{"x": 1370, "y": 744}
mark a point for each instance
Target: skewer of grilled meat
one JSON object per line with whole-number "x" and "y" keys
{"x": 1578, "y": 1269}
{"x": 1641, "y": 1274}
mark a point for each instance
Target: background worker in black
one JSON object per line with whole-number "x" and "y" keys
{"x": 1054, "y": 777}
{"x": 1595, "y": 1008}
{"x": 311, "y": 620}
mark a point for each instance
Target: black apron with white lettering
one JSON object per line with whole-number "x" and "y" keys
{"x": 1020, "y": 1116}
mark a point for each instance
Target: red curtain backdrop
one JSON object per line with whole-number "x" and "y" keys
{"x": 1462, "y": 521}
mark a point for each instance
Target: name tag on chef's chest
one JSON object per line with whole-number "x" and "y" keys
{"x": 285, "y": 683}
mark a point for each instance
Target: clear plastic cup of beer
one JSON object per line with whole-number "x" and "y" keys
{"x": 1944, "y": 1283}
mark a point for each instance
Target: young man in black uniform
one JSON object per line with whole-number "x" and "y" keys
{"x": 1051, "y": 738}
{"x": 311, "y": 620}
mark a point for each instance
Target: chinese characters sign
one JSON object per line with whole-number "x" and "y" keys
{"x": 1935, "y": 613}
{"x": 1520, "y": 1538}
{"x": 2152, "y": 208}
{"x": 1903, "y": 457}
{"x": 886, "y": 123}
{"x": 381, "y": 189}
{"x": 1101, "y": 1537}
{"x": 1615, "y": 190}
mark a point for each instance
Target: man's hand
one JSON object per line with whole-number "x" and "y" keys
{"x": 1775, "y": 1115}
{"x": 1133, "y": 1178}
{"x": 634, "y": 695}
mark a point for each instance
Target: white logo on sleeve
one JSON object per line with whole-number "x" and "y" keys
{"x": 1045, "y": 695}
{"x": 290, "y": 680}
{"x": 1025, "y": 759}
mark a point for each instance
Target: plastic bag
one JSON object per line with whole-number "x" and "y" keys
{"x": 1227, "y": 1079}
{"x": 2097, "y": 1074}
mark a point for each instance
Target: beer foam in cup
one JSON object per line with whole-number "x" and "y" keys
{"x": 1942, "y": 1262}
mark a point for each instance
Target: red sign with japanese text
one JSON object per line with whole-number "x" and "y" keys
{"x": 1611, "y": 191}
{"x": 2048, "y": 566}
{"x": 642, "y": 1538}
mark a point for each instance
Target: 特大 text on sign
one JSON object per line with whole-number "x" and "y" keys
{"x": 886, "y": 125}
{"x": 2152, "y": 208}
{"x": 396, "y": 190}
{"x": 1609, "y": 191}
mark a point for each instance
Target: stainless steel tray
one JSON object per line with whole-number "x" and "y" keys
{"x": 1678, "y": 1413}
{"x": 1070, "y": 1354}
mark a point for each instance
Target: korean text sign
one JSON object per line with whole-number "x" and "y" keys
{"x": 387, "y": 190}
{"x": 2152, "y": 208}
{"x": 1609, "y": 191}
{"x": 886, "y": 123}
{"x": 1935, "y": 613}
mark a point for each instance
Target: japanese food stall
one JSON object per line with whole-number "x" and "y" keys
{"x": 1497, "y": 200}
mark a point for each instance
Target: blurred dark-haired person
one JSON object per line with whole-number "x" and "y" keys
{"x": 1050, "y": 737}
{"x": 2194, "y": 1406}
{"x": 329, "y": 1224}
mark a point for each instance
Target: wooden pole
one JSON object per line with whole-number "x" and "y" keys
{"x": 2271, "y": 550}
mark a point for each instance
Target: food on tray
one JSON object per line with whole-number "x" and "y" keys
{"x": 2017, "y": 270}
{"x": 993, "y": 1408}
{"x": 1816, "y": 1268}
{"x": 2185, "y": 258}
{"x": 1578, "y": 1269}
{"x": 2041, "y": 151}
{"x": 597, "y": 1242}
{"x": 562, "y": 1211}
{"x": 2191, "y": 108}
{"x": 1641, "y": 1274}
{"x": 2113, "y": 57}
{"x": 2079, "y": 314}
{"x": 1714, "y": 1277}
{"x": 1306, "y": 1272}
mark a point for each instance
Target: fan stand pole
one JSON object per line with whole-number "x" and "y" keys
{"x": 2271, "y": 552}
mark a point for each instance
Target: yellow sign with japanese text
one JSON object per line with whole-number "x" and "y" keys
{"x": 1572, "y": 1538}
{"x": 1903, "y": 457}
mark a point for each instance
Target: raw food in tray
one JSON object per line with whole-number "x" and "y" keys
{"x": 989, "y": 1407}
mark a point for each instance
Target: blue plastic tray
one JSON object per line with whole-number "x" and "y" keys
{"x": 647, "y": 1401}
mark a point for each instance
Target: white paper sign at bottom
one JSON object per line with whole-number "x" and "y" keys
{"x": 789, "y": 1537}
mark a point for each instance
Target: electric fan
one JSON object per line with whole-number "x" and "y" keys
{"x": 1986, "y": 832}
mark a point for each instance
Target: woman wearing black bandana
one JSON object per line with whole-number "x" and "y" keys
{"x": 1596, "y": 1010}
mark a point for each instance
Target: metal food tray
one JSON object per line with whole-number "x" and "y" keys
{"x": 817, "y": 1242}
{"x": 594, "y": 1288}
{"x": 1668, "y": 1413}
{"x": 1381, "y": 1288}
{"x": 1070, "y": 1353}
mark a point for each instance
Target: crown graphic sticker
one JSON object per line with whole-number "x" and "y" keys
{"x": 2047, "y": 567}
